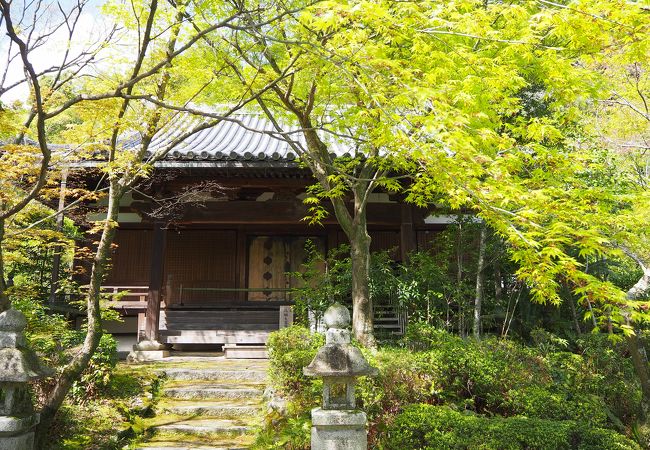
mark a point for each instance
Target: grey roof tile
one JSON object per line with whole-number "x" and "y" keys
{"x": 243, "y": 137}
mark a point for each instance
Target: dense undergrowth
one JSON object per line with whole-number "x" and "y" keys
{"x": 112, "y": 416}
{"x": 437, "y": 390}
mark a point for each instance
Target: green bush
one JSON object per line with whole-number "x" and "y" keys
{"x": 111, "y": 420}
{"x": 291, "y": 349}
{"x": 492, "y": 377}
{"x": 428, "y": 427}
{"x": 97, "y": 375}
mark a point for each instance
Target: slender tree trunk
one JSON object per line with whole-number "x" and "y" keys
{"x": 480, "y": 281}
{"x": 56, "y": 259}
{"x": 635, "y": 346}
{"x": 640, "y": 363}
{"x": 5, "y": 304}
{"x": 498, "y": 283}
{"x": 362, "y": 311}
{"x": 459, "y": 280}
{"x": 94, "y": 326}
{"x": 574, "y": 316}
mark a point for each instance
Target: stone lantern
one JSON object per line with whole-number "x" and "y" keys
{"x": 338, "y": 425}
{"x": 18, "y": 367}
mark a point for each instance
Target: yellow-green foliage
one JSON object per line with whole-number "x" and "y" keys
{"x": 428, "y": 427}
{"x": 593, "y": 386}
{"x": 111, "y": 418}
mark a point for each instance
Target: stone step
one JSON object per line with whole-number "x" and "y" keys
{"x": 212, "y": 409}
{"x": 245, "y": 351}
{"x": 191, "y": 447}
{"x": 213, "y": 391}
{"x": 215, "y": 375}
{"x": 206, "y": 426}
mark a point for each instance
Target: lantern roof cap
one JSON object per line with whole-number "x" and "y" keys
{"x": 17, "y": 364}
{"x": 12, "y": 320}
{"x": 337, "y": 358}
{"x": 341, "y": 361}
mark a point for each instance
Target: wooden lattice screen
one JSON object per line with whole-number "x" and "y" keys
{"x": 131, "y": 258}
{"x": 200, "y": 259}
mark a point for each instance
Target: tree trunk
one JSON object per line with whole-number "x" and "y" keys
{"x": 634, "y": 344}
{"x": 480, "y": 281}
{"x": 574, "y": 316}
{"x": 640, "y": 363}
{"x": 498, "y": 283}
{"x": 5, "y": 304}
{"x": 79, "y": 363}
{"x": 56, "y": 259}
{"x": 362, "y": 311}
{"x": 459, "y": 280}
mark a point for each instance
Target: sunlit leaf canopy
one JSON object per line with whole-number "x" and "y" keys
{"x": 501, "y": 108}
{"x": 509, "y": 90}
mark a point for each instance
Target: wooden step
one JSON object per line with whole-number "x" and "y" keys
{"x": 175, "y": 326}
{"x": 214, "y": 336}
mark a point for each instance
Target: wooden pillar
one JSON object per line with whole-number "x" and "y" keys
{"x": 241, "y": 269}
{"x": 56, "y": 261}
{"x": 407, "y": 232}
{"x": 155, "y": 282}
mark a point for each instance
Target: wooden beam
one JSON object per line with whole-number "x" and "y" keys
{"x": 155, "y": 282}
{"x": 240, "y": 212}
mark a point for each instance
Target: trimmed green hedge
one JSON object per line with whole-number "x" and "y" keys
{"x": 594, "y": 386}
{"x": 427, "y": 427}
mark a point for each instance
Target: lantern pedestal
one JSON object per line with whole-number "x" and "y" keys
{"x": 147, "y": 351}
{"x": 18, "y": 366}
{"x": 338, "y": 425}
{"x": 338, "y": 430}
{"x": 16, "y": 433}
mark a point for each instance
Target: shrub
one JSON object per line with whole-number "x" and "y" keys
{"x": 492, "y": 377}
{"x": 291, "y": 349}
{"x": 110, "y": 421}
{"x": 98, "y": 374}
{"x": 429, "y": 427}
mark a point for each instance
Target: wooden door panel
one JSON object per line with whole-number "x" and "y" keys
{"x": 270, "y": 260}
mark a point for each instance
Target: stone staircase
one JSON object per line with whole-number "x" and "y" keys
{"x": 207, "y": 403}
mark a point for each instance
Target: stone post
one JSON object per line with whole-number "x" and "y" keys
{"x": 338, "y": 425}
{"x": 18, "y": 367}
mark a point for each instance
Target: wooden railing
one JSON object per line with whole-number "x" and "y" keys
{"x": 183, "y": 292}
{"x": 126, "y": 296}
{"x": 128, "y": 292}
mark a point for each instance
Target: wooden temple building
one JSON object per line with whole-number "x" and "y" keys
{"x": 203, "y": 248}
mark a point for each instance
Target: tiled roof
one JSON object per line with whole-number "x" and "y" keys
{"x": 247, "y": 137}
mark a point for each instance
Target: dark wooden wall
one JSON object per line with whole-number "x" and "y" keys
{"x": 215, "y": 247}
{"x": 131, "y": 258}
